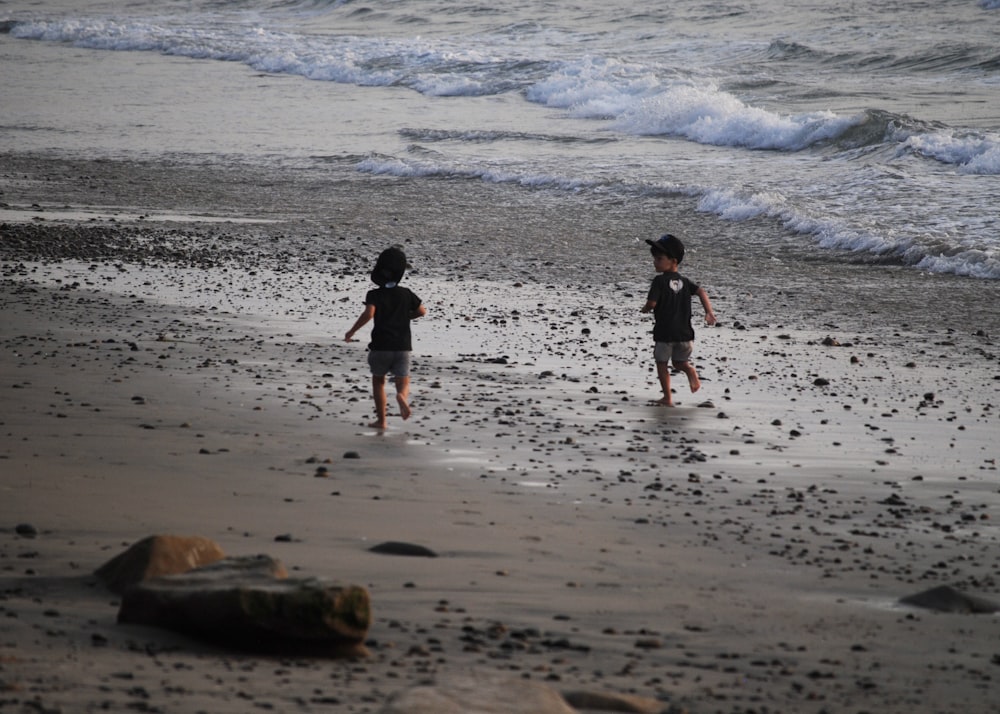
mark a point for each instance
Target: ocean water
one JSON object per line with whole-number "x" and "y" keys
{"x": 866, "y": 132}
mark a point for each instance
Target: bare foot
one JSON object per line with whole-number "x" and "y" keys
{"x": 378, "y": 425}
{"x": 664, "y": 402}
{"x": 404, "y": 407}
{"x": 694, "y": 382}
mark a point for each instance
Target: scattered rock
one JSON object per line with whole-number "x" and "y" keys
{"x": 649, "y": 643}
{"x": 392, "y": 547}
{"x": 26, "y": 530}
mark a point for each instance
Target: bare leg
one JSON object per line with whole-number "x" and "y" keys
{"x": 663, "y": 374}
{"x": 378, "y": 395}
{"x": 403, "y": 396}
{"x": 692, "y": 375}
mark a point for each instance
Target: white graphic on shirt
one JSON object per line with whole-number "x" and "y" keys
{"x": 676, "y": 285}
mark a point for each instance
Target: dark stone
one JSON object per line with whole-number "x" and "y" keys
{"x": 611, "y": 702}
{"x": 945, "y": 598}
{"x": 26, "y": 530}
{"x": 396, "y": 548}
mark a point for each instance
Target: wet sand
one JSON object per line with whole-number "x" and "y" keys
{"x": 181, "y": 369}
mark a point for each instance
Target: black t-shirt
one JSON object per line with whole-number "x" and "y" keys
{"x": 672, "y": 294}
{"x": 393, "y": 308}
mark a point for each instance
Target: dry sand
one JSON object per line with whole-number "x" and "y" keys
{"x": 742, "y": 552}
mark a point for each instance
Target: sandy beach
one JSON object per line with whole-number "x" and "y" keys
{"x": 173, "y": 363}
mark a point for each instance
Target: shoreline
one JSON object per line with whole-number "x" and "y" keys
{"x": 743, "y": 550}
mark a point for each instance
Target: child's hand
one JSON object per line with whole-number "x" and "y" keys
{"x": 710, "y": 318}
{"x": 348, "y": 337}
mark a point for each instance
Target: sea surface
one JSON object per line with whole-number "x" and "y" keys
{"x": 865, "y": 132}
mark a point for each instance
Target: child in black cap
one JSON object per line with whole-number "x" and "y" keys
{"x": 669, "y": 300}
{"x": 392, "y": 307}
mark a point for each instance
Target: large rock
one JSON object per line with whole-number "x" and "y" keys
{"x": 244, "y": 566}
{"x": 254, "y": 612}
{"x": 155, "y": 556}
{"x": 945, "y": 598}
{"x": 479, "y": 692}
{"x": 490, "y": 693}
{"x": 588, "y": 701}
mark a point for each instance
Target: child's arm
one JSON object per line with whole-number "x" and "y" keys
{"x": 651, "y": 297}
{"x": 368, "y": 314}
{"x": 419, "y": 312}
{"x": 706, "y": 303}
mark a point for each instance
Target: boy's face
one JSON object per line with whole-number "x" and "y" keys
{"x": 664, "y": 263}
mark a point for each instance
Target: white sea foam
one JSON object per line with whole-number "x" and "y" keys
{"x": 948, "y": 251}
{"x": 588, "y": 101}
{"x": 432, "y": 67}
{"x": 644, "y": 104}
{"x": 973, "y": 153}
{"x": 638, "y": 99}
{"x": 708, "y": 116}
{"x": 384, "y": 166}
{"x": 594, "y": 87}
{"x": 730, "y": 205}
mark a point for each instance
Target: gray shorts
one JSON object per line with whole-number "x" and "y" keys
{"x": 383, "y": 362}
{"x": 676, "y": 351}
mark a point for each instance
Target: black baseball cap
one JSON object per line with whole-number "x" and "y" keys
{"x": 669, "y": 245}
